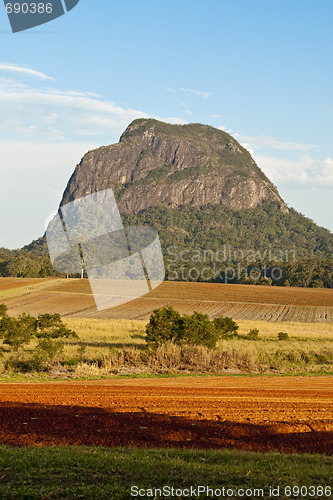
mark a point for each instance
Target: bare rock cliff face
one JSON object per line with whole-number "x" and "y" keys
{"x": 157, "y": 164}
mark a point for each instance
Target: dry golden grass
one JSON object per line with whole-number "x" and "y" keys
{"x": 118, "y": 347}
{"x": 108, "y": 347}
{"x": 294, "y": 329}
{"x": 119, "y": 331}
{"x": 122, "y": 331}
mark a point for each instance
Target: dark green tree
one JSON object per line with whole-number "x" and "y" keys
{"x": 163, "y": 326}
{"x": 17, "y": 331}
{"x": 167, "y": 325}
{"x": 51, "y": 326}
{"x": 225, "y": 326}
{"x": 197, "y": 329}
{"x": 3, "y": 310}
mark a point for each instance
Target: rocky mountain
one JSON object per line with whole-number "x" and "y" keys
{"x": 203, "y": 193}
{"x": 161, "y": 165}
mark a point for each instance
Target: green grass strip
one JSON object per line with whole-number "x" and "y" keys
{"x": 88, "y": 473}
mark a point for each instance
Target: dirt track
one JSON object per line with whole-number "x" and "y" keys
{"x": 285, "y": 414}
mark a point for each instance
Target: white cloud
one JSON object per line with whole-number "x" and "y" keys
{"x": 44, "y": 132}
{"x": 54, "y": 114}
{"x": 305, "y": 171}
{"x": 302, "y": 170}
{"x": 255, "y": 142}
{"x": 198, "y": 93}
{"x": 222, "y": 127}
{"x": 188, "y": 92}
{"x": 186, "y": 108}
{"x": 13, "y": 68}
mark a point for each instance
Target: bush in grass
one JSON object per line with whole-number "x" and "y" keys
{"x": 283, "y": 336}
{"x": 50, "y": 326}
{"x": 226, "y": 327}
{"x": 197, "y": 329}
{"x": 164, "y": 326}
{"x": 253, "y": 334}
{"x": 51, "y": 348}
{"x": 3, "y": 310}
{"x": 17, "y": 331}
{"x": 47, "y": 350}
{"x": 167, "y": 325}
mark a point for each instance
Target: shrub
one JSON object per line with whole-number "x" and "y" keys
{"x": 197, "y": 329}
{"x": 3, "y": 310}
{"x": 163, "y": 326}
{"x": 225, "y": 326}
{"x": 253, "y": 334}
{"x": 283, "y": 336}
{"x": 51, "y": 348}
{"x": 51, "y": 326}
{"x": 22, "y": 330}
{"x": 17, "y": 331}
{"x": 167, "y": 325}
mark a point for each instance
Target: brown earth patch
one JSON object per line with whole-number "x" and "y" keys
{"x": 283, "y": 414}
{"x": 73, "y": 298}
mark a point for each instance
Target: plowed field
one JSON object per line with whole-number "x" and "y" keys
{"x": 73, "y": 298}
{"x": 290, "y": 415}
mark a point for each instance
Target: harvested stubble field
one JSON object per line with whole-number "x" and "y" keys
{"x": 73, "y": 298}
{"x": 250, "y": 413}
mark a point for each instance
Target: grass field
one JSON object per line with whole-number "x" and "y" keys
{"x": 99, "y": 473}
{"x": 129, "y": 331}
{"x": 73, "y": 298}
{"x": 108, "y": 347}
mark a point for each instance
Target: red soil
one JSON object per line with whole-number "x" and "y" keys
{"x": 290, "y": 415}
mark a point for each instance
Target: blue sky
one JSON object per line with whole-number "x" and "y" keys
{"x": 259, "y": 69}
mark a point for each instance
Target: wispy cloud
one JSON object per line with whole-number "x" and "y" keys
{"x": 198, "y": 93}
{"x": 222, "y": 127}
{"x": 259, "y": 142}
{"x": 302, "y": 170}
{"x": 186, "y": 108}
{"x": 33, "y": 110}
{"x": 13, "y": 68}
{"x": 188, "y": 92}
